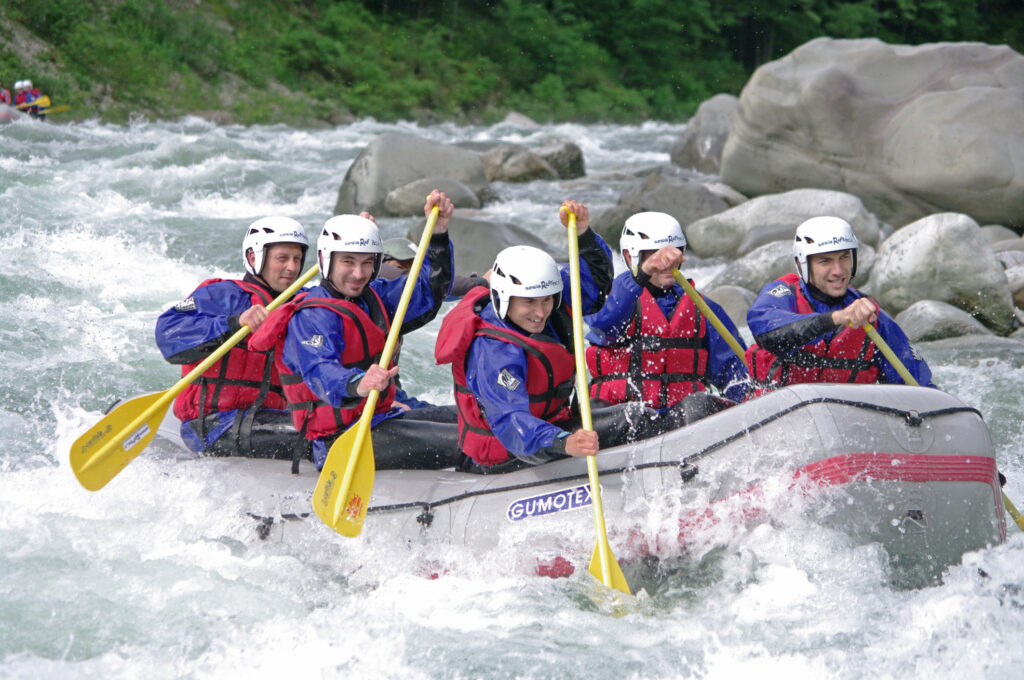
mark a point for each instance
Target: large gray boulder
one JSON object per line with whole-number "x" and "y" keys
{"x": 477, "y": 242}
{"x": 565, "y": 157}
{"x": 684, "y": 198}
{"x": 765, "y": 219}
{"x": 409, "y": 199}
{"x": 943, "y": 257}
{"x": 755, "y": 269}
{"x": 700, "y": 146}
{"x": 928, "y": 320}
{"x": 736, "y": 301}
{"x": 911, "y": 130}
{"x": 393, "y": 160}
{"x": 514, "y": 163}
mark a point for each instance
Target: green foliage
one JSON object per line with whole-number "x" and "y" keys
{"x": 299, "y": 60}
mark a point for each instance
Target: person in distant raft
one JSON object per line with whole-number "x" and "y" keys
{"x": 237, "y": 407}
{"x": 511, "y": 351}
{"x": 808, "y": 325}
{"x": 650, "y": 342}
{"x": 336, "y": 334}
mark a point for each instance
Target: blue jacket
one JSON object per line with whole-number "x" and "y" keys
{"x": 508, "y": 411}
{"x": 725, "y": 370}
{"x": 778, "y": 327}
{"x": 315, "y": 339}
{"x": 190, "y": 330}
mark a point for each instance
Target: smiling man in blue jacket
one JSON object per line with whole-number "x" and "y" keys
{"x": 808, "y": 326}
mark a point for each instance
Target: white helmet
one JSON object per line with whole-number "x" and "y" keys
{"x": 19, "y": 84}
{"x": 348, "y": 234}
{"x": 525, "y": 272}
{"x": 822, "y": 235}
{"x": 267, "y": 231}
{"x": 649, "y": 231}
{"x": 27, "y": 84}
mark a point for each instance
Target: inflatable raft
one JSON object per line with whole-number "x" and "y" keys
{"x": 910, "y": 468}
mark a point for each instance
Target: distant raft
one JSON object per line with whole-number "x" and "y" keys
{"x": 910, "y": 468}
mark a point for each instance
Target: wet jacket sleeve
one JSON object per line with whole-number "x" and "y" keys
{"x": 433, "y": 285}
{"x": 725, "y": 370}
{"x": 778, "y": 327}
{"x": 506, "y": 403}
{"x": 900, "y": 345}
{"x": 596, "y": 272}
{"x": 192, "y": 329}
{"x": 611, "y": 321}
{"x": 312, "y": 349}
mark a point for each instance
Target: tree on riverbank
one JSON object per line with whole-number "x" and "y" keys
{"x": 300, "y": 61}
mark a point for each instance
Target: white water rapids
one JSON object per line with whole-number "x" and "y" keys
{"x": 159, "y": 574}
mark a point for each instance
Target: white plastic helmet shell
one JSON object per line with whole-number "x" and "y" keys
{"x": 822, "y": 235}
{"x": 27, "y": 84}
{"x": 523, "y": 271}
{"x": 348, "y": 234}
{"x": 649, "y": 231}
{"x": 267, "y": 231}
{"x": 19, "y": 85}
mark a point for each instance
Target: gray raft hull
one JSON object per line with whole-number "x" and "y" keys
{"x": 910, "y": 468}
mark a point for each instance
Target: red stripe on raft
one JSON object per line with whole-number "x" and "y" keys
{"x": 846, "y": 469}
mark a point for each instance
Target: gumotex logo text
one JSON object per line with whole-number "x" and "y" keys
{"x": 548, "y": 503}
{"x": 836, "y": 241}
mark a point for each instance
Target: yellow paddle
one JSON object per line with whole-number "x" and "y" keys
{"x": 909, "y": 379}
{"x": 603, "y": 564}
{"x": 42, "y": 102}
{"x": 55, "y": 109}
{"x": 343, "y": 490}
{"x": 712, "y": 317}
{"x": 96, "y": 457}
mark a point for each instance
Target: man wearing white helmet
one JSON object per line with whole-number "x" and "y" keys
{"x": 237, "y": 407}
{"x": 336, "y": 334}
{"x": 808, "y": 325}
{"x": 511, "y": 353}
{"x": 650, "y": 342}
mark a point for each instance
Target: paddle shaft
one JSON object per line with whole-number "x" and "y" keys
{"x": 583, "y": 395}
{"x": 712, "y": 317}
{"x": 164, "y": 401}
{"x": 909, "y": 379}
{"x": 338, "y": 502}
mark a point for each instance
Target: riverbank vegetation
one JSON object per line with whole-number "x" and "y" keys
{"x": 303, "y": 61}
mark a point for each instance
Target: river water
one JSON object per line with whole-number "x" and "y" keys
{"x": 158, "y": 575}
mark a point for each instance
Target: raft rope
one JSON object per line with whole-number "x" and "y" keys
{"x": 686, "y": 468}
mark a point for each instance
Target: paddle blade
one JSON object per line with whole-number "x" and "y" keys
{"x": 616, "y": 579}
{"x": 102, "y": 452}
{"x": 343, "y": 506}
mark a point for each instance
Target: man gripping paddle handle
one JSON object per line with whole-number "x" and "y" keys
{"x": 603, "y": 565}
{"x": 96, "y": 457}
{"x": 343, "y": 489}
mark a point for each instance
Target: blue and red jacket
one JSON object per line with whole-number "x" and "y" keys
{"x": 317, "y": 336}
{"x": 497, "y": 369}
{"x": 191, "y": 330}
{"x": 798, "y": 342}
{"x": 673, "y": 350}
{"x": 548, "y": 372}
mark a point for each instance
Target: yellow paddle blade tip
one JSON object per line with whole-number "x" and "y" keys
{"x": 616, "y": 579}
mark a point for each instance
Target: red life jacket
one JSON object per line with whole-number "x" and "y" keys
{"x": 550, "y": 374}
{"x": 243, "y": 378}
{"x": 670, "y": 358}
{"x": 846, "y": 357}
{"x": 364, "y": 335}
